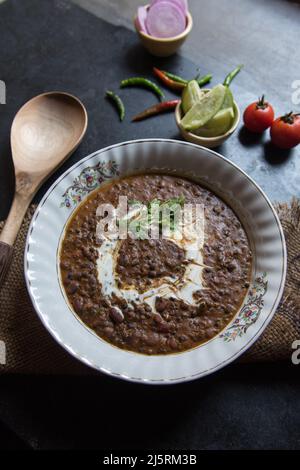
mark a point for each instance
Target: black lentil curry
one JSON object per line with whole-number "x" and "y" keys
{"x": 173, "y": 325}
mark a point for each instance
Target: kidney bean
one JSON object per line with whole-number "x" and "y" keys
{"x": 78, "y": 304}
{"x": 116, "y": 315}
{"x": 157, "y": 318}
{"x": 72, "y": 287}
{"x": 160, "y": 305}
{"x": 164, "y": 327}
{"x": 173, "y": 343}
{"x": 108, "y": 331}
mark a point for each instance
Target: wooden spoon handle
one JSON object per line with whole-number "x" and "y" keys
{"x": 10, "y": 231}
{"x": 15, "y": 217}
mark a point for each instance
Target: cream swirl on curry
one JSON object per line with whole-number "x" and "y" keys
{"x": 161, "y": 295}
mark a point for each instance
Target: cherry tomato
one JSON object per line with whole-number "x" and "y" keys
{"x": 258, "y": 116}
{"x": 285, "y": 131}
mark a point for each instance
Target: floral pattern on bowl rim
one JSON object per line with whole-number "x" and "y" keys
{"x": 89, "y": 179}
{"x": 249, "y": 312}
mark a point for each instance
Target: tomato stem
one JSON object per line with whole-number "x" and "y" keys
{"x": 289, "y": 118}
{"x": 261, "y": 103}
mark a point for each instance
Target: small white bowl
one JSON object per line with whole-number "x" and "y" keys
{"x": 209, "y": 142}
{"x": 164, "y": 47}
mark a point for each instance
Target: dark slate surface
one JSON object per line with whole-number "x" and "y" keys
{"x": 47, "y": 45}
{"x": 241, "y": 407}
{"x": 50, "y": 44}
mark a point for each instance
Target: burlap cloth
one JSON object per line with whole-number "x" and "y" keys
{"x": 31, "y": 349}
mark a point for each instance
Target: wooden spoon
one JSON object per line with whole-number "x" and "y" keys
{"x": 44, "y": 133}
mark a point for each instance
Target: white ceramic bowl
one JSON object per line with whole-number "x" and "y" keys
{"x": 175, "y": 157}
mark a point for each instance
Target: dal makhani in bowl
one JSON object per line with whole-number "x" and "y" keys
{"x": 155, "y": 309}
{"x": 156, "y": 295}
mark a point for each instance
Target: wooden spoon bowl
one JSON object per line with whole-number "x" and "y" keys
{"x": 44, "y": 133}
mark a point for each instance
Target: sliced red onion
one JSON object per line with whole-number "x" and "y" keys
{"x": 141, "y": 19}
{"x": 165, "y": 20}
{"x": 182, "y": 4}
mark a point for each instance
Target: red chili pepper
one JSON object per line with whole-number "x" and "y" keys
{"x": 172, "y": 84}
{"x": 156, "y": 109}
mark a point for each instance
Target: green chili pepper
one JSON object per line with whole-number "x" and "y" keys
{"x": 201, "y": 80}
{"x": 231, "y": 75}
{"x": 176, "y": 78}
{"x": 118, "y": 102}
{"x": 204, "y": 79}
{"x": 144, "y": 82}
